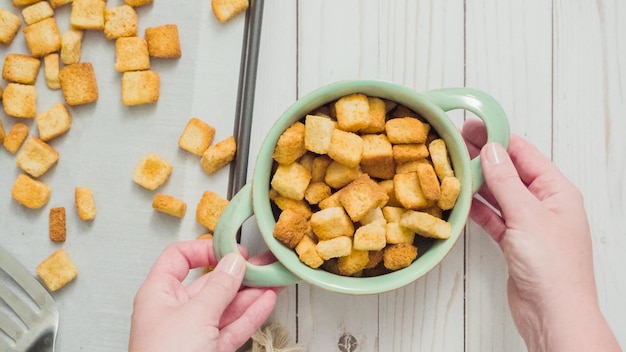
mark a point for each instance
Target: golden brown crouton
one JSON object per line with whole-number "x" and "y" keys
{"x": 152, "y": 171}
{"x": 225, "y": 10}
{"x": 399, "y": 256}
{"x": 56, "y": 226}
{"x": 377, "y": 116}
{"x": 450, "y": 189}
{"x": 20, "y": 69}
{"x": 79, "y": 83}
{"x": 439, "y": 157}
{"x": 169, "y": 205}
{"x": 290, "y": 228}
{"x": 88, "y": 14}
{"x": 20, "y": 100}
{"x": 137, "y": 3}
{"x": 377, "y": 158}
{"x": 57, "y": 270}
{"x": 163, "y": 41}
{"x": 16, "y": 136}
{"x": 393, "y": 214}
{"x": 408, "y": 191}
{"x": 319, "y": 167}
{"x": 331, "y": 201}
{"x": 330, "y": 223}
{"x": 53, "y": 122}
{"x": 429, "y": 183}
{"x": 30, "y": 193}
{"x": 51, "y": 70}
{"x": 9, "y": 25}
{"x": 339, "y": 175}
{"x": 334, "y": 247}
{"x": 353, "y": 263}
{"x": 43, "y": 37}
{"x": 290, "y": 145}
{"x": 396, "y": 233}
{"x": 209, "y": 209}
{"x": 140, "y": 87}
{"x": 318, "y": 131}
{"x": 387, "y": 185}
{"x": 58, "y": 3}
{"x": 291, "y": 180}
{"x": 219, "y": 155}
{"x": 120, "y": 22}
{"x": 22, "y": 3}
{"x": 36, "y": 157}
{"x": 316, "y": 192}
{"x": 403, "y": 130}
{"x": 345, "y": 147}
{"x": 370, "y": 237}
{"x": 403, "y": 153}
{"x": 131, "y": 54}
{"x": 426, "y": 225}
{"x": 71, "y": 43}
{"x": 85, "y": 205}
{"x": 361, "y": 196}
{"x": 37, "y": 12}
{"x": 307, "y": 253}
{"x": 284, "y": 203}
{"x": 197, "y": 136}
{"x": 353, "y": 112}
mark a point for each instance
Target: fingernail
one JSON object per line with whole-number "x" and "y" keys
{"x": 232, "y": 264}
{"x": 495, "y": 153}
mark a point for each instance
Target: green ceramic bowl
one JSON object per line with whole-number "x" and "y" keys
{"x": 253, "y": 198}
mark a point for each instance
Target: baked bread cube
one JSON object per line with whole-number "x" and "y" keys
{"x": 387, "y": 185}
{"x": 318, "y": 133}
{"x": 393, "y": 214}
{"x": 131, "y": 54}
{"x": 53, "y": 122}
{"x": 56, "y": 225}
{"x": 345, "y": 147}
{"x": 169, "y": 205}
{"x": 429, "y": 183}
{"x": 37, "y": 12}
{"x": 36, "y": 157}
{"x": 403, "y": 153}
{"x": 30, "y": 193}
{"x": 408, "y": 191}
{"x": 43, "y": 37}
{"x": 9, "y": 25}
{"x": 140, "y": 87}
{"x": 370, "y": 237}
{"x": 317, "y": 192}
{"x": 306, "y": 160}
{"x": 338, "y": 175}
{"x": 225, "y": 10}
{"x": 219, "y": 155}
{"x": 79, "y": 84}
{"x": 120, "y": 22}
{"x": 20, "y": 100}
{"x": 152, "y": 171}
{"x": 353, "y": 263}
{"x": 16, "y": 136}
{"x": 22, "y": 3}
{"x": 290, "y": 145}
{"x": 396, "y": 233}
{"x": 403, "y": 130}
{"x": 374, "y": 215}
{"x": 88, "y": 14}
{"x": 137, "y": 3}
{"x": 426, "y": 225}
{"x": 307, "y": 253}
{"x": 378, "y": 115}
{"x": 331, "y": 223}
{"x": 331, "y": 202}
{"x": 439, "y": 157}
{"x": 20, "y": 68}
{"x": 85, "y": 205}
{"x": 450, "y": 189}
{"x": 399, "y": 256}
{"x": 197, "y": 136}
{"x": 51, "y": 70}
{"x": 163, "y": 41}
{"x": 58, "y": 3}
{"x": 353, "y": 112}
{"x": 361, "y": 196}
{"x": 319, "y": 167}
{"x": 284, "y": 203}
{"x": 290, "y": 228}
{"x": 334, "y": 247}
{"x": 409, "y": 166}
{"x": 377, "y": 158}
{"x": 291, "y": 180}
{"x": 209, "y": 209}
{"x": 57, "y": 270}
{"x": 71, "y": 43}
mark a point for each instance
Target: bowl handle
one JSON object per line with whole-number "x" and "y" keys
{"x": 224, "y": 241}
{"x": 486, "y": 108}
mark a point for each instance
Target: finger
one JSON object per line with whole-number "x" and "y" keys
{"x": 240, "y": 304}
{"x": 178, "y": 258}
{"x": 486, "y": 218}
{"x": 504, "y": 182}
{"x": 236, "y": 334}
{"x": 220, "y": 287}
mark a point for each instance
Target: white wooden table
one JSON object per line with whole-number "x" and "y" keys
{"x": 557, "y": 67}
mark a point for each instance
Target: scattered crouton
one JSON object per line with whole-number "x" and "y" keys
{"x": 43, "y": 37}
{"x": 53, "y": 122}
{"x": 59, "y": 3}
{"x": 9, "y": 25}
{"x": 79, "y": 84}
{"x": 137, "y": 3}
{"x": 169, "y": 205}
{"x": 140, "y": 87}
{"x": 85, "y": 205}
{"x": 131, "y": 54}
{"x": 152, "y": 171}
{"x": 36, "y": 157}
{"x": 51, "y": 70}
{"x": 57, "y": 270}
{"x": 163, "y": 41}
{"x": 20, "y": 100}
{"x": 71, "y": 44}
{"x": 209, "y": 209}
{"x": 30, "y": 193}
{"x": 20, "y": 68}
{"x": 16, "y": 136}
{"x": 219, "y": 155}
{"x": 120, "y": 22}
{"x": 197, "y": 136}
{"x": 88, "y": 14}
{"x": 37, "y": 12}
{"x": 225, "y": 10}
{"x": 56, "y": 227}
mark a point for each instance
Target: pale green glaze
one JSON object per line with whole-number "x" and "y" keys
{"x": 253, "y": 199}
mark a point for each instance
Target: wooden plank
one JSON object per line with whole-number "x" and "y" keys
{"x": 508, "y": 56}
{"x": 589, "y": 126}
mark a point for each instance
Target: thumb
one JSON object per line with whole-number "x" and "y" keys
{"x": 503, "y": 180}
{"x": 221, "y": 287}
